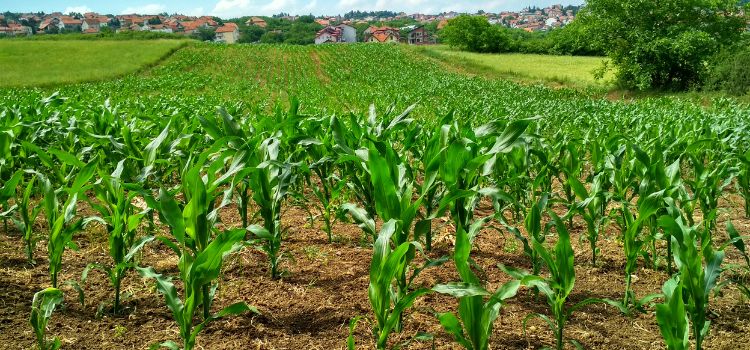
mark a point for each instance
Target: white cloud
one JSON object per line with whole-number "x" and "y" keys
{"x": 79, "y": 9}
{"x": 198, "y": 11}
{"x": 149, "y": 9}
{"x": 239, "y": 8}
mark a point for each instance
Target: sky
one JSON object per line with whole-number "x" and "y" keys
{"x": 238, "y": 8}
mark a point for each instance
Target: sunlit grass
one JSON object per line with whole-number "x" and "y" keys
{"x": 46, "y": 63}
{"x": 572, "y": 71}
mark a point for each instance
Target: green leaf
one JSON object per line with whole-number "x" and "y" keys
{"x": 460, "y": 289}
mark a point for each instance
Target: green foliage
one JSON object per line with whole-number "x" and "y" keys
{"x": 474, "y": 33}
{"x": 196, "y": 272}
{"x": 730, "y": 70}
{"x": 664, "y": 45}
{"x": 28, "y": 212}
{"x": 60, "y": 217}
{"x": 699, "y": 266}
{"x": 558, "y": 286}
{"x": 205, "y": 34}
{"x": 118, "y": 214}
{"x": 42, "y": 307}
{"x": 386, "y": 264}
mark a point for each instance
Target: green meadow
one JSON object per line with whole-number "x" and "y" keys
{"x": 45, "y": 63}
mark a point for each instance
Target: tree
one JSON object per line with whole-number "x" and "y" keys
{"x": 250, "y": 34}
{"x": 205, "y": 34}
{"x": 476, "y": 34}
{"x": 661, "y": 44}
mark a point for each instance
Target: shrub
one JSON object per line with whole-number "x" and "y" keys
{"x": 730, "y": 71}
{"x": 661, "y": 45}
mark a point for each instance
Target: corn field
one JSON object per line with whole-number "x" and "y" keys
{"x": 473, "y": 202}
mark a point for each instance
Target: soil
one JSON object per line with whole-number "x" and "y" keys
{"x": 325, "y": 286}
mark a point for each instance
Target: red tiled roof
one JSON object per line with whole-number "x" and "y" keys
{"x": 227, "y": 28}
{"x": 381, "y": 37}
{"x": 72, "y": 21}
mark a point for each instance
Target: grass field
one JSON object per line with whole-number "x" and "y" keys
{"x": 44, "y": 63}
{"x": 573, "y": 71}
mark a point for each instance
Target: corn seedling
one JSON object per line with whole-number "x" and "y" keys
{"x": 118, "y": 214}
{"x": 386, "y": 304}
{"x": 196, "y": 273}
{"x": 60, "y": 218}
{"x": 193, "y": 223}
{"x": 42, "y": 307}
{"x": 27, "y": 214}
{"x": 474, "y": 328}
{"x": 270, "y": 181}
{"x": 558, "y": 286}
{"x": 590, "y": 208}
{"x": 699, "y": 266}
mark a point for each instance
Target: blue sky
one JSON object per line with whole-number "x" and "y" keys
{"x": 237, "y": 8}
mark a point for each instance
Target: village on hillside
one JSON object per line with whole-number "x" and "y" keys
{"x": 382, "y": 26}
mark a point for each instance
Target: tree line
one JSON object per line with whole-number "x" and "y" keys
{"x": 673, "y": 45}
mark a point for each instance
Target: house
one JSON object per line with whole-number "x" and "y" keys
{"x": 71, "y": 23}
{"x": 419, "y": 36}
{"x": 208, "y": 20}
{"x": 323, "y": 22}
{"x": 15, "y": 29}
{"x": 91, "y": 25}
{"x": 51, "y": 24}
{"x": 256, "y": 21}
{"x": 382, "y": 35}
{"x": 228, "y": 33}
{"x": 341, "y": 33}
{"x": 161, "y": 28}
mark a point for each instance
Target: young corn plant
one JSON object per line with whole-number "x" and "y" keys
{"x": 196, "y": 272}
{"x": 534, "y": 229}
{"x": 672, "y": 318}
{"x": 738, "y": 242}
{"x": 7, "y": 192}
{"x": 270, "y": 181}
{"x": 27, "y": 214}
{"x": 42, "y": 307}
{"x": 395, "y": 200}
{"x": 60, "y": 218}
{"x": 462, "y": 162}
{"x": 387, "y": 304}
{"x": 633, "y": 242}
{"x": 699, "y": 266}
{"x": 473, "y": 326}
{"x": 558, "y": 286}
{"x": 743, "y": 181}
{"x": 193, "y": 223}
{"x": 328, "y": 186}
{"x": 590, "y": 208}
{"x": 119, "y": 216}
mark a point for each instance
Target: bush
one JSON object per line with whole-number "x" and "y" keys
{"x": 661, "y": 44}
{"x": 475, "y": 34}
{"x": 730, "y": 71}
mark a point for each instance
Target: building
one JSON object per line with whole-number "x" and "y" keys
{"x": 228, "y": 33}
{"x": 419, "y": 36}
{"x": 382, "y": 35}
{"x": 91, "y": 25}
{"x": 341, "y": 33}
{"x": 256, "y": 21}
{"x": 161, "y": 28}
{"x": 15, "y": 29}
